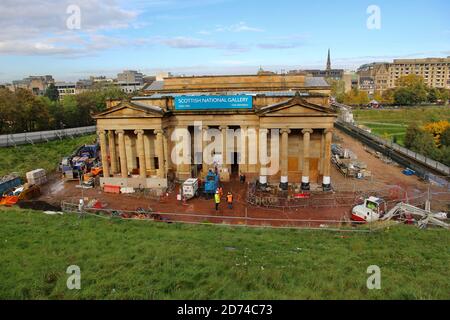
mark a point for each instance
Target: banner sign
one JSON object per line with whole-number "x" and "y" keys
{"x": 213, "y": 102}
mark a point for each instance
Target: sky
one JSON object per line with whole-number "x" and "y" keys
{"x": 74, "y": 39}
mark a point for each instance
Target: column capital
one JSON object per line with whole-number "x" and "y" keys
{"x": 121, "y": 131}
{"x": 329, "y": 130}
{"x": 101, "y": 132}
{"x": 285, "y": 130}
{"x": 307, "y": 130}
{"x": 223, "y": 127}
{"x": 159, "y": 131}
{"x": 139, "y": 132}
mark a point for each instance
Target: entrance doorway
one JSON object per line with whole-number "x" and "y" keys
{"x": 235, "y": 164}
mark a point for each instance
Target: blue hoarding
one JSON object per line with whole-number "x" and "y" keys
{"x": 213, "y": 102}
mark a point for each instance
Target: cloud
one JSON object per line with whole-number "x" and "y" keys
{"x": 183, "y": 42}
{"x": 278, "y": 46}
{"x": 186, "y": 43}
{"x": 238, "y": 27}
{"x": 40, "y": 27}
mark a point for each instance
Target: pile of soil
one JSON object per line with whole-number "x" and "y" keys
{"x": 38, "y": 205}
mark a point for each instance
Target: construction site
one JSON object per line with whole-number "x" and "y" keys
{"x": 252, "y": 205}
{"x": 148, "y": 164}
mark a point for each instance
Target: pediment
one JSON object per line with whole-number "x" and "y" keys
{"x": 127, "y": 109}
{"x": 296, "y": 106}
{"x": 295, "y": 109}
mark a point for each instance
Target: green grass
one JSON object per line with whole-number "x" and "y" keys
{"x": 137, "y": 259}
{"x": 25, "y": 158}
{"x": 389, "y": 123}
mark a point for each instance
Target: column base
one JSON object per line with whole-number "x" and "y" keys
{"x": 305, "y": 186}
{"x": 326, "y": 185}
{"x": 284, "y": 185}
{"x": 262, "y": 182}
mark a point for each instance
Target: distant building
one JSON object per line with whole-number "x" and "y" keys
{"x": 378, "y": 77}
{"x": 36, "y": 84}
{"x": 130, "y": 76}
{"x": 130, "y": 87}
{"x": 130, "y": 81}
{"x": 351, "y": 81}
{"x": 336, "y": 74}
{"x": 374, "y": 77}
{"x": 435, "y": 71}
{"x": 101, "y": 79}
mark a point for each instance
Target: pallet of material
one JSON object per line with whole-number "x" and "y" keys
{"x": 37, "y": 177}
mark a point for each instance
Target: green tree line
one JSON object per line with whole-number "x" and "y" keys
{"x": 422, "y": 141}
{"x": 21, "y": 111}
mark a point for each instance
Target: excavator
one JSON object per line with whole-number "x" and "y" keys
{"x": 374, "y": 209}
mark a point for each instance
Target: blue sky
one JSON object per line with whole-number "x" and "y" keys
{"x": 212, "y": 36}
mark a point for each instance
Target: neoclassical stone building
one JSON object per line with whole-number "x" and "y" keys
{"x": 138, "y": 141}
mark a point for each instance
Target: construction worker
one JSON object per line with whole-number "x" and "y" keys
{"x": 217, "y": 200}
{"x": 230, "y": 200}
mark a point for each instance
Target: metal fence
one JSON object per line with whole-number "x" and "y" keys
{"x": 9, "y": 140}
{"x": 390, "y": 146}
{"x": 242, "y": 220}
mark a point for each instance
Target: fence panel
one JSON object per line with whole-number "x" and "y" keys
{"x": 8, "y": 140}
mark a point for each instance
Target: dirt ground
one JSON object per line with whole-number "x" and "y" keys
{"x": 202, "y": 210}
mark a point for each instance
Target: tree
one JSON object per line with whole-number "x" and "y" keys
{"x": 337, "y": 87}
{"x": 420, "y": 141}
{"x": 403, "y": 96}
{"x": 437, "y": 129}
{"x": 52, "y": 92}
{"x": 445, "y": 138}
{"x": 433, "y": 95}
{"x": 411, "y": 89}
{"x": 388, "y": 97}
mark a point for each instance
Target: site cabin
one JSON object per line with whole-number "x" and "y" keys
{"x": 372, "y": 210}
{"x": 190, "y": 188}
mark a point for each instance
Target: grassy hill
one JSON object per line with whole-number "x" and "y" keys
{"x": 393, "y": 122}
{"x": 25, "y": 158}
{"x": 136, "y": 259}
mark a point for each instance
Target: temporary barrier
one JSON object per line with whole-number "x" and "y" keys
{"x": 111, "y": 189}
{"x": 9, "y": 140}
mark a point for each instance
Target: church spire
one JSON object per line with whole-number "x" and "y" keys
{"x": 328, "y": 61}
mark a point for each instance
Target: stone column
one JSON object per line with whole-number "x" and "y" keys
{"x": 284, "y": 158}
{"x": 160, "y": 152}
{"x": 166, "y": 152}
{"x": 205, "y": 167}
{"x": 122, "y": 154}
{"x": 104, "y": 153}
{"x": 327, "y": 160}
{"x": 322, "y": 143}
{"x": 244, "y": 159}
{"x": 263, "y": 167}
{"x": 149, "y": 153}
{"x": 112, "y": 151}
{"x": 305, "y": 169}
{"x": 141, "y": 153}
{"x": 225, "y": 159}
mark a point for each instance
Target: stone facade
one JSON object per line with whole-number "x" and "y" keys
{"x": 137, "y": 136}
